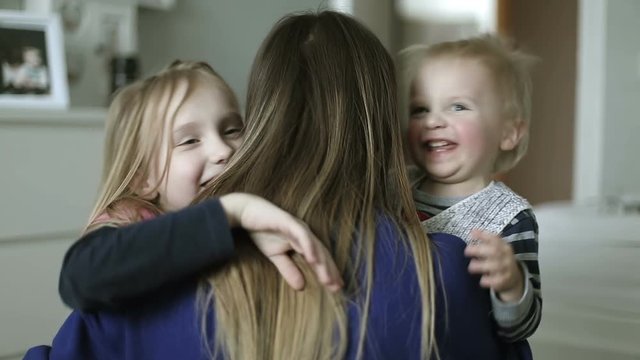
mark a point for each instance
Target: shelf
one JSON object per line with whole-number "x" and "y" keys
{"x": 157, "y": 4}
{"x": 83, "y": 117}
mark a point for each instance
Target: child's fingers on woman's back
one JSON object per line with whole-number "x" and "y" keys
{"x": 486, "y": 237}
{"x": 323, "y": 274}
{"x": 276, "y": 248}
{"x": 317, "y": 255}
{"x": 481, "y": 250}
{"x": 492, "y": 281}
{"x": 326, "y": 269}
{"x": 303, "y": 240}
{"x": 333, "y": 280}
{"x": 288, "y": 270}
{"x": 484, "y": 266}
{"x": 268, "y": 217}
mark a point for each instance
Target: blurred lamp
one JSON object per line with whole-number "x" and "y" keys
{"x": 481, "y": 12}
{"x": 344, "y": 6}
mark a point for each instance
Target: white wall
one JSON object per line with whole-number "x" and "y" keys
{"x": 227, "y": 34}
{"x": 621, "y": 165}
{"x": 608, "y": 92}
{"x": 11, "y": 5}
{"x": 224, "y": 33}
{"x": 377, "y": 15}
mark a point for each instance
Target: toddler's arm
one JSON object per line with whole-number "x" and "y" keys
{"x": 523, "y": 320}
{"x": 517, "y": 303}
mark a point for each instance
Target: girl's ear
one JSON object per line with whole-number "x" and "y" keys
{"x": 512, "y": 133}
{"x": 146, "y": 188}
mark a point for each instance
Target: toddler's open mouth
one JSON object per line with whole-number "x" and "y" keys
{"x": 438, "y": 145}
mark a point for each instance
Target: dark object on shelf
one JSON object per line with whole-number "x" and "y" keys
{"x": 124, "y": 71}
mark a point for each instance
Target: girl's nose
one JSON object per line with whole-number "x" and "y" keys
{"x": 220, "y": 152}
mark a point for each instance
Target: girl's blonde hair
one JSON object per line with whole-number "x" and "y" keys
{"x": 509, "y": 67}
{"x": 135, "y": 127}
{"x": 323, "y": 141}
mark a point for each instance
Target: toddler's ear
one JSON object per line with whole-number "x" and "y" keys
{"x": 512, "y": 133}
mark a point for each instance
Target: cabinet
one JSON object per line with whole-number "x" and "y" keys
{"x": 50, "y": 163}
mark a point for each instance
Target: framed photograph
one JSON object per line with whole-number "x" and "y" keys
{"x": 34, "y": 74}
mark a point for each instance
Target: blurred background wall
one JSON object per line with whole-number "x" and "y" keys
{"x": 546, "y": 172}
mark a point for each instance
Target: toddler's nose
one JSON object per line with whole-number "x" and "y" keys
{"x": 435, "y": 121}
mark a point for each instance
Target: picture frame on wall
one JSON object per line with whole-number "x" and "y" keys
{"x": 32, "y": 59}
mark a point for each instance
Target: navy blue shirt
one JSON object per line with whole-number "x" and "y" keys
{"x": 141, "y": 278}
{"x": 168, "y": 327}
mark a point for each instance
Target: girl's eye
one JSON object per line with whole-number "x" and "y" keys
{"x": 458, "y": 107}
{"x": 233, "y": 132}
{"x": 418, "y": 110}
{"x": 189, "y": 142}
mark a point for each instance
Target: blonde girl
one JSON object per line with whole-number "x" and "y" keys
{"x": 166, "y": 138}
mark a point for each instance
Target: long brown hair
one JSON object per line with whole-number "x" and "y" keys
{"x": 322, "y": 141}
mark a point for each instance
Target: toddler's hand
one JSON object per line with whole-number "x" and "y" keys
{"x": 493, "y": 258}
{"x": 275, "y": 233}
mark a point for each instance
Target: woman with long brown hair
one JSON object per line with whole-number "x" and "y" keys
{"x": 322, "y": 141}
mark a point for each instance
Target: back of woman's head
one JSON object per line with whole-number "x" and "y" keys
{"x": 321, "y": 117}
{"x": 136, "y": 124}
{"x": 322, "y": 140}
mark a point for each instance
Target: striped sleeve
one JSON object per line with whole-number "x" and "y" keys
{"x": 520, "y": 320}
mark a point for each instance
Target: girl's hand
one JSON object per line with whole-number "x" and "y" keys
{"x": 493, "y": 258}
{"x": 275, "y": 232}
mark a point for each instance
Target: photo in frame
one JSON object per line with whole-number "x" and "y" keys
{"x": 34, "y": 74}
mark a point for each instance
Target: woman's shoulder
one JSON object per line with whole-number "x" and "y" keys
{"x": 447, "y": 240}
{"x": 167, "y": 328}
{"x": 451, "y": 263}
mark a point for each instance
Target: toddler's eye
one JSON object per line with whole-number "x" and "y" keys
{"x": 458, "y": 107}
{"x": 419, "y": 110}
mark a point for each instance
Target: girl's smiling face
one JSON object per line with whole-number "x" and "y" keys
{"x": 206, "y": 132}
